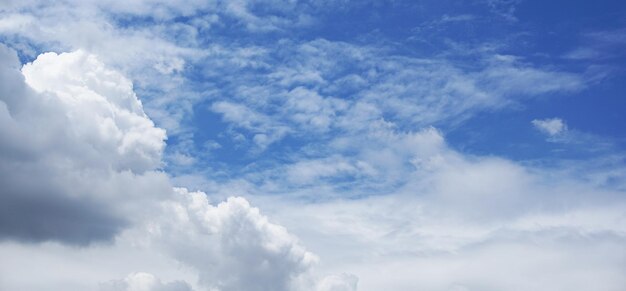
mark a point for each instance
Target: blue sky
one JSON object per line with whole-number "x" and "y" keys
{"x": 581, "y": 40}
{"x": 313, "y": 145}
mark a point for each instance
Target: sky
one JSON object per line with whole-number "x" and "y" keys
{"x": 283, "y": 145}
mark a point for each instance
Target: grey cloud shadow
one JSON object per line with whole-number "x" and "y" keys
{"x": 30, "y": 218}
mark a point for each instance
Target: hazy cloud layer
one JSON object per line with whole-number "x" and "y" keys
{"x": 144, "y": 282}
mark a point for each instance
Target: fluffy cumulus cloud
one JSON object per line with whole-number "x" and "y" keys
{"x": 101, "y": 105}
{"x": 76, "y": 145}
{"x": 231, "y": 245}
{"x": 80, "y": 165}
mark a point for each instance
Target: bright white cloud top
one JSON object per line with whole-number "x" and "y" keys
{"x": 78, "y": 146}
{"x": 310, "y": 146}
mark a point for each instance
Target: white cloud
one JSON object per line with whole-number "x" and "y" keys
{"x": 101, "y": 107}
{"x": 343, "y": 282}
{"x": 80, "y": 159}
{"x": 141, "y": 281}
{"x": 76, "y": 143}
{"x": 311, "y": 171}
{"x": 416, "y": 91}
{"x": 299, "y": 94}
{"x": 231, "y": 245}
{"x": 457, "y": 18}
{"x": 310, "y": 110}
{"x": 465, "y": 221}
{"x": 449, "y": 221}
{"x": 583, "y": 54}
{"x": 89, "y": 175}
{"x": 550, "y": 126}
{"x": 145, "y": 54}
{"x": 264, "y": 130}
{"x": 508, "y": 76}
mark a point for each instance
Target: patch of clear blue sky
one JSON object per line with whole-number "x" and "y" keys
{"x": 550, "y": 30}
{"x": 542, "y": 33}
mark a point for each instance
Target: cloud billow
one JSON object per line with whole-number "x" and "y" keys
{"x": 80, "y": 166}
{"x": 73, "y": 130}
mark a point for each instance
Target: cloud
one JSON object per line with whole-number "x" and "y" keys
{"x": 315, "y": 90}
{"x": 583, "y": 53}
{"x": 277, "y": 78}
{"x": 101, "y": 106}
{"x": 343, "y": 282}
{"x": 463, "y": 220}
{"x": 504, "y": 8}
{"x": 91, "y": 176}
{"x": 501, "y": 264}
{"x": 550, "y": 126}
{"x": 308, "y": 172}
{"x": 574, "y": 140}
{"x": 602, "y": 45}
{"x": 155, "y": 43}
{"x": 438, "y": 211}
{"x": 231, "y": 245}
{"x": 264, "y": 130}
{"x": 457, "y": 18}
{"x": 354, "y": 165}
{"x": 155, "y": 60}
{"x": 80, "y": 166}
{"x": 76, "y": 145}
{"x": 141, "y": 281}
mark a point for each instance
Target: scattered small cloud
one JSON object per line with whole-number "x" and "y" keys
{"x": 457, "y": 18}
{"x": 550, "y": 126}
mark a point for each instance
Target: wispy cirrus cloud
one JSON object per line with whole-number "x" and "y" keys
{"x": 406, "y": 91}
